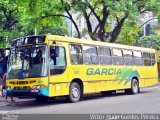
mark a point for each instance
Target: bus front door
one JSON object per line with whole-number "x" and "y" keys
{"x": 58, "y": 77}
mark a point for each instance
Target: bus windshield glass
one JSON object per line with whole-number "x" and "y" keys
{"x": 30, "y": 60}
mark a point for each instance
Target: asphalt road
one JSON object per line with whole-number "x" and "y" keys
{"x": 147, "y": 102}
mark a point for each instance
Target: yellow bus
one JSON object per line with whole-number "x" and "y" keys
{"x": 50, "y": 66}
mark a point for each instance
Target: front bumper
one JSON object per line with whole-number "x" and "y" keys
{"x": 22, "y": 93}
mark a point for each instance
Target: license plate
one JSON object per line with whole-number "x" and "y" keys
{"x": 34, "y": 90}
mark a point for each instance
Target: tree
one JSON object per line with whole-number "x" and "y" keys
{"x": 8, "y": 21}
{"x": 21, "y": 17}
{"x": 34, "y": 15}
{"x": 104, "y": 11}
{"x": 119, "y": 11}
{"x": 130, "y": 32}
{"x": 152, "y": 41}
{"x": 16, "y": 21}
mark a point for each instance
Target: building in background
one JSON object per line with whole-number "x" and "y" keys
{"x": 148, "y": 18}
{"x": 81, "y": 23}
{"x": 150, "y": 21}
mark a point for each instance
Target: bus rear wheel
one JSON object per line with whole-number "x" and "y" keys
{"x": 134, "y": 87}
{"x": 74, "y": 92}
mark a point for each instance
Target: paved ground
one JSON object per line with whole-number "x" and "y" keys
{"x": 148, "y": 101}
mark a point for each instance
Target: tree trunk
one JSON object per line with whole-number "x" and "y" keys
{"x": 117, "y": 30}
{"x": 101, "y": 32}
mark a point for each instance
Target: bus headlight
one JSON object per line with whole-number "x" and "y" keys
{"x": 34, "y": 87}
{"x": 8, "y": 87}
{"x": 38, "y": 87}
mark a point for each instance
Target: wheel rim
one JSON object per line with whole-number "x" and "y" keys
{"x": 135, "y": 87}
{"x": 75, "y": 92}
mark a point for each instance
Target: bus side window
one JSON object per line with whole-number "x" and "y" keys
{"x": 105, "y": 56}
{"x": 147, "y": 59}
{"x": 90, "y": 55}
{"x": 138, "y": 60}
{"x": 57, "y": 60}
{"x": 128, "y": 57}
{"x": 117, "y": 57}
{"x": 94, "y": 56}
{"x": 153, "y": 61}
{"x": 76, "y": 54}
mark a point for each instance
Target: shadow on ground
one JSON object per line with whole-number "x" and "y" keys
{"x": 27, "y": 103}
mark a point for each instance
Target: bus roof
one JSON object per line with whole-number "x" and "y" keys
{"x": 48, "y": 37}
{"x": 91, "y": 42}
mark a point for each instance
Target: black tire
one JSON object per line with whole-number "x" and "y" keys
{"x": 3, "y": 92}
{"x": 41, "y": 99}
{"x": 75, "y": 93}
{"x": 108, "y": 92}
{"x": 134, "y": 87}
{"x": 52, "y": 98}
{"x": 127, "y": 91}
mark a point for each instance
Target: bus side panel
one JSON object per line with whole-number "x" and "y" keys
{"x": 96, "y": 78}
{"x": 152, "y": 77}
{"x": 148, "y": 75}
{"x": 141, "y": 75}
{"x": 59, "y": 89}
{"x": 150, "y": 82}
{"x": 105, "y": 78}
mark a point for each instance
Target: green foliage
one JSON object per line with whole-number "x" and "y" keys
{"x": 122, "y": 13}
{"x": 21, "y": 17}
{"x": 6, "y": 36}
{"x": 152, "y": 41}
{"x": 38, "y": 14}
{"x": 8, "y": 21}
{"x": 115, "y": 18}
{"x": 130, "y": 31}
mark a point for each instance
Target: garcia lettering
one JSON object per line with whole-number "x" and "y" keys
{"x": 103, "y": 71}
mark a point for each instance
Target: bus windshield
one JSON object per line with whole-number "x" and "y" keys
{"x": 29, "y": 60}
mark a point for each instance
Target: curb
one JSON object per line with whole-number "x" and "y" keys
{"x": 4, "y": 101}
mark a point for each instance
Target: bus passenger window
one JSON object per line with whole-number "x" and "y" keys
{"x": 76, "y": 54}
{"x": 90, "y": 55}
{"x": 147, "y": 59}
{"x": 105, "y": 56}
{"x": 57, "y": 60}
{"x": 153, "y": 61}
{"x": 138, "y": 60}
{"x": 117, "y": 57}
{"x": 128, "y": 57}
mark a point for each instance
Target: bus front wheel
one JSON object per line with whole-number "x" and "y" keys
{"x": 74, "y": 92}
{"x": 41, "y": 99}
